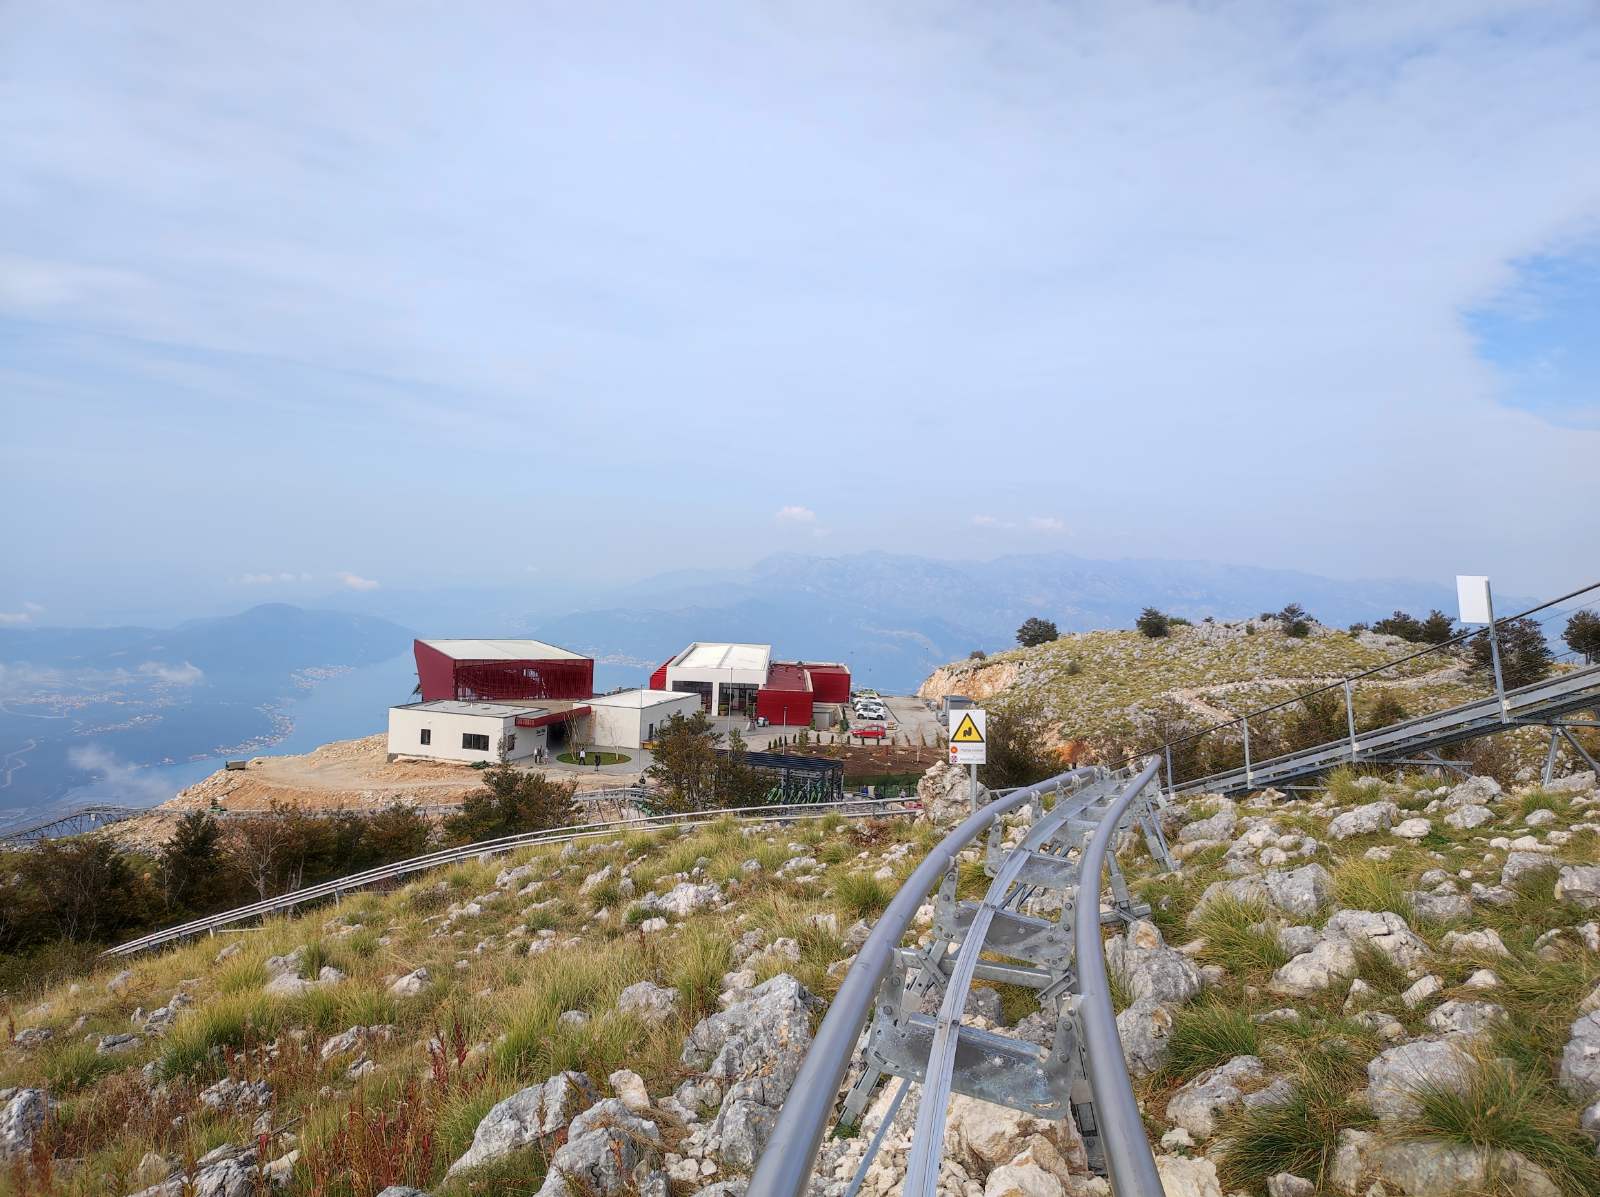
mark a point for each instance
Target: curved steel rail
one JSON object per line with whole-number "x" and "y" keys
{"x": 786, "y": 1165}
{"x": 862, "y": 809}
{"x": 1130, "y": 1166}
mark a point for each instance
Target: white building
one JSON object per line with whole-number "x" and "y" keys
{"x": 451, "y": 730}
{"x": 628, "y": 719}
{"x": 725, "y": 676}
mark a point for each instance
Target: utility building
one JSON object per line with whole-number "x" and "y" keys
{"x": 449, "y": 730}
{"x": 743, "y": 680}
{"x": 629, "y": 719}
{"x": 501, "y": 670}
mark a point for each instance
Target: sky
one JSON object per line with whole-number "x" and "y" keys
{"x": 299, "y": 299}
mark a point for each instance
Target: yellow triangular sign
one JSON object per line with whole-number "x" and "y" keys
{"x": 967, "y": 732}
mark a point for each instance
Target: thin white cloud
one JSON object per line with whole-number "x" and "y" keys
{"x": 991, "y": 521}
{"x": 269, "y": 579}
{"x": 1046, "y": 523}
{"x": 357, "y": 582}
{"x": 174, "y": 675}
{"x": 794, "y": 514}
{"x": 11, "y": 619}
{"x": 127, "y": 783}
{"x": 34, "y": 608}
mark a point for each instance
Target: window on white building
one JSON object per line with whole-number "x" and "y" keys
{"x": 511, "y": 742}
{"x": 427, "y": 735}
{"x": 474, "y": 742}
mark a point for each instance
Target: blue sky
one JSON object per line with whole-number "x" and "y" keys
{"x": 297, "y": 298}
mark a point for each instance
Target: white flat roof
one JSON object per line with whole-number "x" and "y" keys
{"x": 706, "y": 655}
{"x": 639, "y": 699}
{"x": 503, "y": 650}
{"x": 488, "y": 710}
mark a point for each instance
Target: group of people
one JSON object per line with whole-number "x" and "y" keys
{"x": 541, "y": 755}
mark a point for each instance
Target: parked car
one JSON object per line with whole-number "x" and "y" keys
{"x": 868, "y": 733}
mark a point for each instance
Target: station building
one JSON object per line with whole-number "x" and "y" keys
{"x": 448, "y": 729}
{"x": 497, "y": 670}
{"x": 743, "y": 680}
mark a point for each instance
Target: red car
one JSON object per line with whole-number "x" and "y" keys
{"x": 868, "y": 733}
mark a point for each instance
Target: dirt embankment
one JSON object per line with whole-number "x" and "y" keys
{"x": 343, "y": 775}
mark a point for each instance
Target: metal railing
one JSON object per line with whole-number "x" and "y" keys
{"x": 785, "y": 1167}
{"x": 70, "y": 821}
{"x": 853, "y": 809}
{"x": 1463, "y": 721}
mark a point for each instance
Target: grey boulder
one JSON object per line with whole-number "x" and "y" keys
{"x": 537, "y": 1113}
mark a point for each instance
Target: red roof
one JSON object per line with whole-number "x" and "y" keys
{"x": 785, "y": 675}
{"x": 552, "y": 717}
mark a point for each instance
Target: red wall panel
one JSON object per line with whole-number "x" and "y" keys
{"x": 784, "y": 708}
{"x": 435, "y": 671}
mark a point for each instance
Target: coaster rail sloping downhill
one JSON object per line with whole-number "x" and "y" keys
{"x": 1058, "y": 859}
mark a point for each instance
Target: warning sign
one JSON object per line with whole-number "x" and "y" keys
{"x": 969, "y": 737}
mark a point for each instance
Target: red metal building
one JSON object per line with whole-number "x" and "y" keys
{"x": 785, "y": 701}
{"x": 491, "y": 670}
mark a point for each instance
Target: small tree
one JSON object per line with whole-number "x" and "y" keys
{"x": 1036, "y": 631}
{"x": 1524, "y": 655}
{"x": 512, "y": 801}
{"x": 1583, "y": 635}
{"x": 192, "y": 863}
{"x": 1437, "y": 628}
{"x": 1153, "y": 623}
{"x": 1017, "y": 736}
{"x": 1295, "y": 620}
{"x": 1407, "y": 627}
{"x": 685, "y": 764}
{"x": 977, "y": 654}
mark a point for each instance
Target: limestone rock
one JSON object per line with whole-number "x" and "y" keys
{"x": 1182, "y": 1176}
{"x": 1197, "y": 1105}
{"x": 651, "y": 1002}
{"x": 1301, "y": 892}
{"x": 1579, "y": 885}
{"x": 1465, "y": 818}
{"x": 605, "y": 1148}
{"x": 1363, "y": 820}
{"x": 20, "y": 1120}
{"x": 1435, "y": 1169}
{"x": 1383, "y": 930}
{"x": 1153, "y": 972}
{"x": 412, "y": 984}
{"x": 1580, "y": 1059}
{"x": 537, "y": 1113}
{"x": 1520, "y": 864}
{"x": 1393, "y": 1078}
{"x": 1457, "y": 1017}
{"x": 1486, "y": 942}
{"x": 943, "y": 794}
{"x": 1144, "y": 1028}
{"x": 1310, "y": 972}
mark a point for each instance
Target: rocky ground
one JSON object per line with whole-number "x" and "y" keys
{"x": 1391, "y": 986}
{"x": 1102, "y": 687}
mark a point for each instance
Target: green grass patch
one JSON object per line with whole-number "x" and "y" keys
{"x": 1206, "y": 1035}
{"x": 1299, "y": 1136}
{"x": 593, "y": 758}
{"x": 1236, "y": 937}
{"x": 1499, "y": 1108}
{"x": 1361, "y": 884}
{"x": 861, "y": 895}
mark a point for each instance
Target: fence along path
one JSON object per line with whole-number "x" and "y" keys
{"x": 851, "y": 809}
{"x": 1061, "y": 854}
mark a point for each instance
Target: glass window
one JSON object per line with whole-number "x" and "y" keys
{"x": 474, "y": 742}
{"x": 427, "y": 735}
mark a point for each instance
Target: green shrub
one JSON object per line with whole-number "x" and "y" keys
{"x": 700, "y": 957}
{"x": 1361, "y": 884}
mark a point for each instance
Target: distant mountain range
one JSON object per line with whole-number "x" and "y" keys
{"x": 896, "y": 618}
{"x": 274, "y": 638}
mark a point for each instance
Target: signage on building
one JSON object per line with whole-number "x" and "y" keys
{"x": 969, "y": 737}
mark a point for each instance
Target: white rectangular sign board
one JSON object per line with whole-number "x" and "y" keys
{"x": 969, "y": 737}
{"x": 1472, "y": 594}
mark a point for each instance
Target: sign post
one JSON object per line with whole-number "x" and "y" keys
{"x": 1476, "y": 601}
{"x": 969, "y": 744}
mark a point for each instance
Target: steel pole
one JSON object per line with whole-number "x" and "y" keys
{"x": 1130, "y": 1166}
{"x": 1494, "y": 655}
{"x": 1350, "y": 716}
{"x": 1248, "y": 780}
